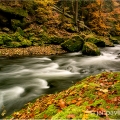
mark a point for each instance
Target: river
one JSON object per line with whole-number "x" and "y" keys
{"x": 25, "y": 79}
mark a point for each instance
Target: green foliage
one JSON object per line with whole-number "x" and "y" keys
{"x": 26, "y": 43}
{"x": 90, "y": 49}
{"x": 14, "y": 44}
{"x": 14, "y": 40}
{"x": 1, "y": 41}
{"x": 20, "y": 31}
{"x": 17, "y": 37}
{"x": 7, "y": 39}
{"x": 16, "y": 23}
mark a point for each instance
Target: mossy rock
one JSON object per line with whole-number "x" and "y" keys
{"x": 107, "y": 41}
{"x": 90, "y": 49}
{"x": 74, "y": 44}
{"x": 114, "y": 40}
{"x": 91, "y": 38}
{"x": 16, "y": 11}
{"x": 56, "y": 40}
{"x": 96, "y": 41}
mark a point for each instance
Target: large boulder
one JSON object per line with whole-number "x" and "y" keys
{"x": 108, "y": 43}
{"x": 56, "y": 40}
{"x": 74, "y": 44}
{"x": 90, "y": 49}
{"x": 114, "y": 40}
{"x": 91, "y": 38}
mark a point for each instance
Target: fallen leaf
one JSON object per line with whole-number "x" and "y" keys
{"x": 45, "y": 116}
{"x": 70, "y": 116}
{"x": 85, "y": 116}
{"x": 107, "y": 107}
{"x": 78, "y": 103}
{"x": 104, "y": 90}
{"x": 61, "y": 104}
{"x": 73, "y": 101}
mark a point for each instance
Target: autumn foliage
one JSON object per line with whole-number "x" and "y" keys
{"x": 103, "y": 17}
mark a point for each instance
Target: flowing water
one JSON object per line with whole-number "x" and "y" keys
{"x": 24, "y": 79}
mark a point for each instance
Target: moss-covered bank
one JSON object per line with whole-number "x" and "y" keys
{"x": 95, "y": 97}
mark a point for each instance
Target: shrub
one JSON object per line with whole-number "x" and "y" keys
{"x": 26, "y": 43}
{"x": 1, "y": 40}
{"x": 14, "y": 44}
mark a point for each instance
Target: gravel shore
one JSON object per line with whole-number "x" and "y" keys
{"x": 31, "y": 51}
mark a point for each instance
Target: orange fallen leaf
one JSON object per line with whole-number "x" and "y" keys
{"x": 107, "y": 107}
{"x": 78, "y": 103}
{"x": 73, "y": 101}
{"x": 70, "y": 116}
{"x": 45, "y": 116}
{"x": 61, "y": 104}
{"x": 85, "y": 116}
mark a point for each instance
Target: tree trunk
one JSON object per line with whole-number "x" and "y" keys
{"x": 63, "y": 14}
{"x": 76, "y": 11}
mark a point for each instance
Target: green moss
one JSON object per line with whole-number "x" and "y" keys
{"x": 16, "y": 11}
{"x": 17, "y": 37}
{"x": 50, "y": 111}
{"x": 7, "y": 39}
{"x": 14, "y": 44}
{"x": 56, "y": 40}
{"x": 79, "y": 86}
{"x": 117, "y": 87}
{"x": 74, "y": 44}
{"x": 90, "y": 49}
{"x": 72, "y": 109}
{"x": 99, "y": 101}
{"x": 93, "y": 39}
{"x": 26, "y": 43}
{"x": 96, "y": 41}
{"x": 108, "y": 43}
{"x": 1, "y": 40}
{"x": 20, "y": 31}
{"x": 77, "y": 111}
{"x": 44, "y": 38}
{"x": 16, "y": 24}
{"x": 114, "y": 40}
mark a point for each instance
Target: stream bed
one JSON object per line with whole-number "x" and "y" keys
{"x": 25, "y": 79}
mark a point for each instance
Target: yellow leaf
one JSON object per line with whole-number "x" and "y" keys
{"x": 104, "y": 90}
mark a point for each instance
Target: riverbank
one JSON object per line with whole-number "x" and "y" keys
{"x": 95, "y": 97}
{"x": 32, "y": 51}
